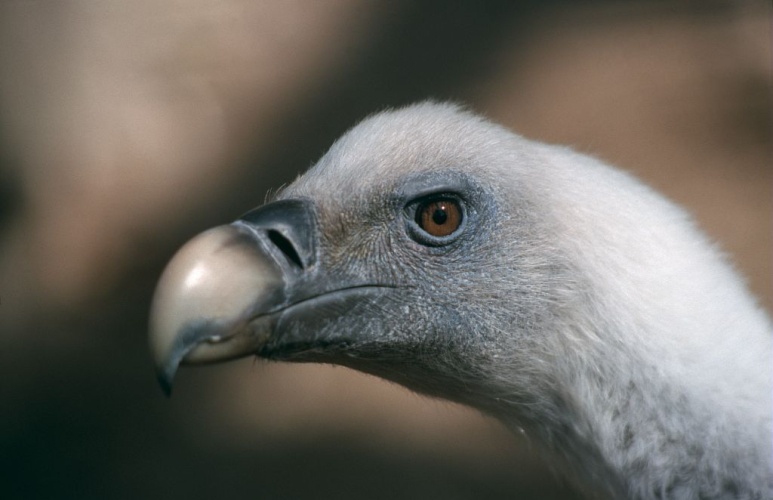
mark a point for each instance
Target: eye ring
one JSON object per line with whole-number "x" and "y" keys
{"x": 437, "y": 219}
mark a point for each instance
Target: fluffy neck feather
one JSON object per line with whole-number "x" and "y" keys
{"x": 663, "y": 359}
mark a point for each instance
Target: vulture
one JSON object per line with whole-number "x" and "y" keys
{"x": 562, "y": 296}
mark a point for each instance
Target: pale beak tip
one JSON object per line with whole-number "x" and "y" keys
{"x": 204, "y": 300}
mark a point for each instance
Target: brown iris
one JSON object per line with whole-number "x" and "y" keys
{"x": 439, "y": 217}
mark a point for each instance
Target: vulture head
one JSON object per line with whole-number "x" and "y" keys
{"x": 435, "y": 249}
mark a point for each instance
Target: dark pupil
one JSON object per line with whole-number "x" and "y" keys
{"x": 440, "y": 216}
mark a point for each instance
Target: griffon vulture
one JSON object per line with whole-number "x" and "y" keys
{"x": 435, "y": 249}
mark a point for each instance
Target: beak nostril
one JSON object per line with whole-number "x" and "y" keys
{"x": 285, "y": 246}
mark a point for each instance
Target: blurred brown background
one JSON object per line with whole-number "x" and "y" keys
{"x": 127, "y": 127}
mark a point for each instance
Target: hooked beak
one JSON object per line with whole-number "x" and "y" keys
{"x": 203, "y": 306}
{"x": 215, "y": 299}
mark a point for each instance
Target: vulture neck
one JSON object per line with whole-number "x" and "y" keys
{"x": 657, "y": 359}
{"x": 636, "y": 425}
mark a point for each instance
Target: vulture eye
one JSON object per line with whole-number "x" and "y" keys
{"x": 437, "y": 219}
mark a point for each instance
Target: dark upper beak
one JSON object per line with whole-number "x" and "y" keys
{"x": 216, "y": 297}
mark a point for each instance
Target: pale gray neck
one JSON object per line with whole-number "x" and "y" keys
{"x": 630, "y": 425}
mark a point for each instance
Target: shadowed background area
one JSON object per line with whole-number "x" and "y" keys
{"x": 128, "y": 127}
